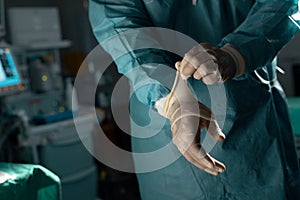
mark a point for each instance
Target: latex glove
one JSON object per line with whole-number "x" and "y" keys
{"x": 212, "y": 64}
{"x": 188, "y": 117}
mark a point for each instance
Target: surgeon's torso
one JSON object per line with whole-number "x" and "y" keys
{"x": 207, "y": 21}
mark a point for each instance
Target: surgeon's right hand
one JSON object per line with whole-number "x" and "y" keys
{"x": 211, "y": 64}
{"x": 188, "y": 117}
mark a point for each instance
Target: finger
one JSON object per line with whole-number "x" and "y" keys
{"x": 202, "y": 157}
{"x": 192, "y": 60}
{"x": 211, "y": 171}
{"x": 211, "y": 78}
{"x": 220, "y": 167}
{"x": 208, "y": 71}
{"x": 201, "y": 163}
{"x": 186, "y": 69}
{"x": 197, "y": 75}
{"x": 200, "y": 58}
{"x": 210, "y": 50}
{"x": 189, "y": 146}
{"x": 178, "y": 65}
{"x": 215, "y": 131}
{"x": 208, "y": 67}
{"x": 199, "y": 154}
{"x": 212, "y": 74}
{"x": 195, "y": 62}
{"x": 195, "y": 163}
{"x": 181, "y": 65}
{"x": 206, "y": 163}
{"x": 201, "y": 72}
{"x": 194, "y": 51}
{"x": 208, "y": 79}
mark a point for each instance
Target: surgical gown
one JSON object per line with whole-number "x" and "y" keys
{"x": 259, "y": 150}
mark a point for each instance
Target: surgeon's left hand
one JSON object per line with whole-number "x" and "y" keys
{"x": 212, "y": 64}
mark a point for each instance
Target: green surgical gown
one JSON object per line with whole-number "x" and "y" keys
{"x": 259, "y": 150}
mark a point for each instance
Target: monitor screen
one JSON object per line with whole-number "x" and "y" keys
{"x": 10, "y": 80}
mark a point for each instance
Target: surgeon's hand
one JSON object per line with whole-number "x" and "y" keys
{"x": 188, "y": 117}
{"x": 212, "y": 64}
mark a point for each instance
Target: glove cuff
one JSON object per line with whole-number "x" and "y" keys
{"x": 160, "y": 105}
{"x": 237, "y": 57}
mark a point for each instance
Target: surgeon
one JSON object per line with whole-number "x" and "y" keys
{"x": 236, "y": 45}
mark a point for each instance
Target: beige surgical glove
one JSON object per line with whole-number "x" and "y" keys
{"x": 212, "y": 64}
{"x": 188, "y": 117}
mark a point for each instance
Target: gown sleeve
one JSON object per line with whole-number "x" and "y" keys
{"x": 144, "y": 67}
{"x": 266, "y": 29}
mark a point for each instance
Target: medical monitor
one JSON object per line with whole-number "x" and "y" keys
{"x": 10, "y": 79}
